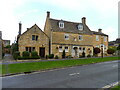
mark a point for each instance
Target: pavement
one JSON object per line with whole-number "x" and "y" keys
{"x": 88, "y": 76}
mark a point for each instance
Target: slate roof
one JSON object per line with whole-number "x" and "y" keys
{"x": 118, "y": 40}
{"x": 31, "y": 28}
{"x": 71, "y": 27}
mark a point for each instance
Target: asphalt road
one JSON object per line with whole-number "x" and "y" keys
{"x": 87, "y": 76}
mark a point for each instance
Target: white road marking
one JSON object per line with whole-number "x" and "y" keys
{"x": 73, "y": 74}
{"x": 111, "y": 85}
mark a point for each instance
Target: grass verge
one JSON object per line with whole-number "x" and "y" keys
{"x": 116, "y": 88}
{"x": 36, "y": 66}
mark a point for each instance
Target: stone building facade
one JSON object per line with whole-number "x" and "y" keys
{"x": 58, "y": 35}
{"x": 34, "y": 39}
{"x": 73, "y": 37}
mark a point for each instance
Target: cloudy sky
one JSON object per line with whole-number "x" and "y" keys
{"x": 99, "y": 14}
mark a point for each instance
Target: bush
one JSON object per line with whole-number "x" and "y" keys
{"x": 26, "y": 55}
{"x": 34, "y": 57}
{"x": 88, "y": 55}
{"x": 69, "y": 56}
{"x": 110, "y": 51}
{"x": 34, "y": 53}
{"x": 63, "y": 54}
{"x": 47, "y": 56}
{"x": 83, "y": 54}
{"x": 16, "y": 54}
{"x": 51, "y": 56}
{"x": 56, "y": 57}
{"x": 96, "y": 50}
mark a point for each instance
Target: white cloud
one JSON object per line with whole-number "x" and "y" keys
{"x": 25, "y": 13}
{"x": 112, "y": 32}
{"x": 9, "y": 22}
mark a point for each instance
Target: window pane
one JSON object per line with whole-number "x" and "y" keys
{"x": 80, "y": 37}
{"x": 66, "y": 49}
{"x": 26, "y": 48}
{"x": 33, "y": 49}
{"x": 36, "y": 38}
{"x": 60, "y": 49}
{"x": 29, "y": 49}
{"x": 66, "y": 36}
{"x": 33, "y": 37}
{"x": 83, "y": 48}
{"x": 97, "y": 38}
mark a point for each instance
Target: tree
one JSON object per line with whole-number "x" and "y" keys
{"x": 63, "y": 54}
{"x": 96, "y": 50}
{"x": 110, "y": 51}
{"x": 118, "y": 48}
{"x": 8, "y": 46}
{"x": 14, "y": 48}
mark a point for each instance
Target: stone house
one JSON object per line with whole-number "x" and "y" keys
{"x": 73, "y": 37}
{"x": 33, "y": 39}
{"x": 58, "y": 35}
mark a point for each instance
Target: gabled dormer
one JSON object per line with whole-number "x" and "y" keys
{"x": 61, "y": 24}
{"x": 80, "y": 27}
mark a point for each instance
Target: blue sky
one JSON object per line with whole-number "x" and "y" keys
{"x": 99, "y": 14}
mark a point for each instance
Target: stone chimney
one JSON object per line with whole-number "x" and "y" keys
{"x": 100, "y": 30}
{"x": 84, "y": 20}
{"x": 20, "y": 28}
{"x": 48, "y": 14}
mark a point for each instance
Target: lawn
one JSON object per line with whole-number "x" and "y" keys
{"x": 116, "y": 88}
{"x": 36, "y": 66}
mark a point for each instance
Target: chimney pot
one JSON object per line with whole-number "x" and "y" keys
{"x": 48, "y": 14}
{"x": 84, "y": 20}
{"x": 20, "y": 27}
{"x": 100, "y": 30}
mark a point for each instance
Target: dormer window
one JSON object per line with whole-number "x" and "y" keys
{"x": 80, "y": 27}
{"x": 61, "y": 24}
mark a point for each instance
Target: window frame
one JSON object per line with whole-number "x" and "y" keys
{"x": 67, "y": 36}
{"x": 61, "y": 24}
{"x": 80, "y": 36}
{"x": 60, "y": 49}
{"x": 66, "y": 50}
{"x": 80, "y": 27}
{"x": 97, "y": 37}
{"x": 105, "y": 39}
{"x": 34, "y": 37}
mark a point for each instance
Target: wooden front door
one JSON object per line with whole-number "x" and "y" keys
{"x": 42, "y": 52}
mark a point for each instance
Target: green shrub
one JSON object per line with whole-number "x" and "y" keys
{"x": 96, "y": 50}
{"x": 34, "y": 53}
{"x": 88, "y": 55}
{"x": 16, "y": 54}
{"x": 34, "y": 57}
{"x": 69, "y": 56}
{"x": 110, "y": 51}
{"x": 63, "y": 54}
{"x": 51, "y": 56}
{"x": 26, "y": 55}
{"x": 56, "y": 57}
{"x": 47, "y": 56}
{"x": 83, "y": 54}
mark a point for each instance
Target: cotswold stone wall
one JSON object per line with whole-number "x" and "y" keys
{"x": 25, "y": 40}
{"x": 87, "y": 42}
